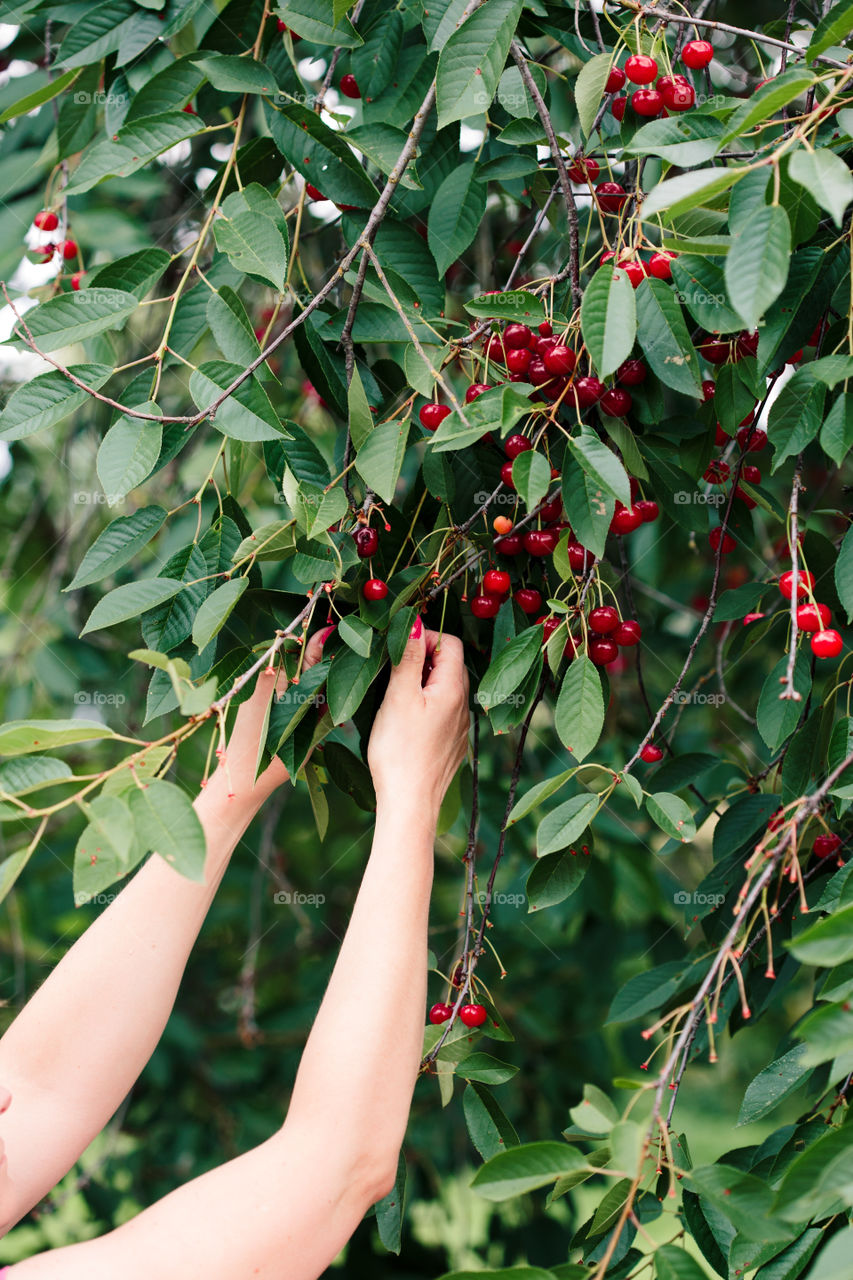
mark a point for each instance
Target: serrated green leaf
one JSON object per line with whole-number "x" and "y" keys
{"x": 133, "y": 147}
{"x": 247, "y": 414}
{"x": 128, "y": 453}
{"x": 579, "y": 713}
{"x": 380, "y": 458}
{"x": 589, "y": 88}
{"x": 253, "y": 244}
{"x": 608, "y": 319}
{"x": 757, "y": 266}
{"x": 72, "y": 317}
{"x": 665, "y": 338}
{"x": 47, "y": 399}
{"x": 130, "y": 601}
{"x": 167, "y": 824}
{"x": 215, "y": 610}
{"x": 117, "y": 544}
{"x": 471, "y": 61}
{"x": 455, "y": 214}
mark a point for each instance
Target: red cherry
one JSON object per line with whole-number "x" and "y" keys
{"x": 796, "y": 357}
{"x": 651, "y": 754}
{"x": 313, "y": 193}
{"x": 545, "y": 329}
{"x": 68, "y": 248}
{"x": 537, "y": 373}
{"x": 753, "y": 439}
{"x": 485, "y": 606}
{"x": 708, "y": 390}
{"x": 540, "y": 542}
{"x": 517, "y": 336}
{"x": 510, "y": 545}
{"x": 528, "y": 600}
{"x": 615, "y": 80}
{"x": 579, "y": 557}
{"x": 584, "y": 170}
{"x": 617, "y": 109}
{"x": 516, "y": 444}
{"x": 616, "y": 403}
{"x": 493, "y": 349}
{"x": 560, "y": 360}
{"x": 751, "y": 474}
{"x": 476, "y": 389}
{"x": 432, "y": 415}
{"x": 660, "y": 265}
{"x": 440, "y": 1013}
{"x": 603, "y": 619}
{"x": 628, "y": 633}
{"x": 826, "y": 845}
{"x": 506, "y": 474}
{"x": 76, "y": 278}
{"x": 716, "y": 472}
{"x": 496, "y": 582}
{"x": 716, "y": 535}
{"x": 473, "y": 1015}
{"x": 746, "y": 344}
{"x": 631, "y": 373}
{"x": 626, "y": 520}
{"x": 743, "y": 496}
{"x": 720, "y": 436}
{"x": 549, "y": 626}
{"x": 366, "y": 543}
{"x": 349, "y": 87}
{"x": 751, "y": 617}
{"x": 697, "y": 54}
{"x": 634, "y": 270}
{"x": 714, "y": 350}
{"x": 647, "y": 102}
{"x": 518, "y": 360}
{"x": 679, "y": 96}
{"x": 813, "y": 617}
{"x": 374, "y": 589}
{"x": 46, "y": 220}
{"x": 648, "y": 509}
{"x": 603, "y": 651}
{"x": 826, "y": 644}
{"x": 641, "y": 69}
{"x": 805, "y": 583}
{"x": 611, "y": 196}
{"x": 588, "y": 390}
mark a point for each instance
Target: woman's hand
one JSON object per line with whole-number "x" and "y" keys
{"x": 235, "y": 774}
{"x": 420, "y": 734}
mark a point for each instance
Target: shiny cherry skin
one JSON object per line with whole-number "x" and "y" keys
{"x": 651, "y": 754}
{"x": 611, "y": 196}
{"x": 516, "y": 444}
{"x": 805, "y": 583}
{"x": 540, "y": 542}
{"x": 432, "y": 415}
{"x": 826, "y": 644}
{"x": 628, "y": 633}
{"x": 366, "y": 542}
{"x": 496, "y": 582}
{"x": 696, "y": 54}
{"x": 603, "y": 651}
{"x": 813, "y": 617}
{"x": 528, "y": 600}
{"x": 472, "y": 1015}
{"x": 640, "y": 69}
{"x": 826, "y": 845}
{"x": 374, "y": 589}
{"x": 603, "y": 619}
{"x": 485, "y": 606}
{"x": 440, "y": 1013}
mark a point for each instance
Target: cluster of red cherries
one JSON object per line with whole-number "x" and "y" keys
{"x": 472, "y": 1015}
{"x": 813, "y": 618}
{"x": 47, "y": 220}
{"x": 657, "y": 95}
{"x": 825, "y": 845}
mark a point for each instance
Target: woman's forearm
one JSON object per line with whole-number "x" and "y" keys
{"x": 358, "y": 1071}
{"x": 73, "y": 1053}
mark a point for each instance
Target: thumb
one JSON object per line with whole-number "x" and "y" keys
{"x": 407, "y": 675}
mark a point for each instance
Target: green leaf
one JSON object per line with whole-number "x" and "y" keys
{"x": 47, "y": 399}
{"x": 513, "y": 305}
{"x": 836, "y": 434}
{"x": 471, "y": 62}
{"x": 456, "y": 213}
{"x": 774, "y": 1083}
{"x": 39, "y": 96}
{"x": 531, "y": 476}
{"x": 826, "y": 943}
{"x": 844, "y": 574}
{"x": 828, "y": 1032}
{"x": 380, "y": 458}
{"x": 360, "y": 417}
{"x": 672, "y": 815}
{"x": 833, "y": 1262}
{"x": 510, "y": 668}
{"x": 104, "y": 850}
{"x": 553, "y": 879}
{"x": 135, "y": 272}
{"x": 128, "y": 453}
{"x": 331, "y": 508}
{"x": 488, "y": 1128}
{"x": 129, "y": 601}
{"x": 134, "y": 146}
{"x": 167, "y": 823}
{"x": 826, "y": 177}
{"x": 231, "y": 327}
{"x": 97, "y": 33}
{"x": 795, "y": 415}
{"x": 743, "y": 1198}
{"x": 766, "y": 101}
{"x": 565, "y": 824}
{"x": 524, "y": 1168}
{"x": 757, "y": 265}
{"x": 778, "y": 717}
{"x": 356, "y": 633}
{"x": 835, "y": 25}
{"x": 374, "y": 63}
{"x": 303, "y": 17}
{"x": 247, "y": 414}
{"x": 601, "y": 464}
{"x": 485, "y": 1069}
{"x": 72, "y": 317}
{"x": 389, "y": 1210}
{"x": 19, "y": 777}
{"x": 253, "y": 244}
{"x": 117, "y": 544}
{"x": 579, "y": 713}
{"x": 495, "y": 410}
{"x": 648, "y": 991}
{"x": 231, "y": 73}
{"x": 589, "y": 89}
{"x": 215, "y": 610}
{"x": 665, "y": 339}
{"x": 608, "y": 319}
{"x": 589, "y": 507}
{"x": 672, "y": 1263}
{"x": 350, "y": 676}
{"x": 20, "y": 737}
{"x": 678, "y": 195}
{"x": 684, "y": 141}
{"x": 818, "y": 1180}
{"x": 537, "y": 793}
{"x": 320, "y": 155}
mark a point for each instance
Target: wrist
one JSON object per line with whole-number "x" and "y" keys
{"x": 218, "y": 803}
{"x": 416, "y": 810}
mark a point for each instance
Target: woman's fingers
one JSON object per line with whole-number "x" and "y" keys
{"x": 314, "y": 647}
{"x": 447, "y": 661}
{"x": 407, "y": 677}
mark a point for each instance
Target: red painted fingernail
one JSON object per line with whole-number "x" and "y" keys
{"x": 417, "y": 629}
{"x": 325, "y": 633}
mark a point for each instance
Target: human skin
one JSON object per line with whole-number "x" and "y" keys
{"x": 283, "y": 1210}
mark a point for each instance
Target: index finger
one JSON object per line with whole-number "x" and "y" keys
{"x": 445, "y": 654}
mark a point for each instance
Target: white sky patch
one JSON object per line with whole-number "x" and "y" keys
{"x": 177, "y": 154}
{"x": 470, "y": 139}
{"x": 7, "y": 34}
{"x": 220, "y": 151}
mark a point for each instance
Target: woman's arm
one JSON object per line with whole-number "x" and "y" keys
{"x": 75, "y": 1050}
{"x": 284, "y": 1210}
